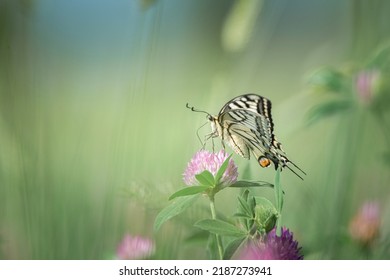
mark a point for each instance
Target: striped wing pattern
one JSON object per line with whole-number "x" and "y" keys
{"x": 245, "y": 123}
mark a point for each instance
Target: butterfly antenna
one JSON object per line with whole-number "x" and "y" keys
{"x": 195, "y": 110}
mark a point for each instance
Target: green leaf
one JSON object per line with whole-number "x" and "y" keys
{"x": 220, "y": 227}
{"x": 328, "y": 80}
{"x": 222, "y": 170}
{"x": 328, "y": 109}
{"x": 265, "y": 202}
{"x": 242, "y": 215}
{"x": 189, "y": 191}
{"x": 198, "y": 237}
{"x": 205, "y": 178}
{"x": 266, "y": 214}
{"x": 212, "y": 247}
{"x": 244, "y": 206}
{"x": 175, "y": 208}
{"x": 245, "y": 194}
{"x": 232, "y": 247}
{"x": 248, "y": 184}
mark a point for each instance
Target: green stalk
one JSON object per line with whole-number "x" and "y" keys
{"x": 214, "y": 216}
{"x": 279, "y": 201}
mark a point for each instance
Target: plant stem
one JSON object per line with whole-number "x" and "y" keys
{"x": 279, "y": 201}
{"x": 214, "y": 216}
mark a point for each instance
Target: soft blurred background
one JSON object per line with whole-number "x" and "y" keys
{"x": 95, "y": 136}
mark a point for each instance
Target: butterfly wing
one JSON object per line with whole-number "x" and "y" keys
{"x": 250, "y": 128}
{"x": 246, "y": 124}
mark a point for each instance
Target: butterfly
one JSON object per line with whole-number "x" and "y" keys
{"x": 245, "y": 124}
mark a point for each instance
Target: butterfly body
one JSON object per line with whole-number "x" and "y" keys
{"x": 245, "y": 124}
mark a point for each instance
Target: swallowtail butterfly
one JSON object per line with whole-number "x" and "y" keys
{"x": 245, "y": 124}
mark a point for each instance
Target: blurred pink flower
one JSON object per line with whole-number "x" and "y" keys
{"x": 364, "y": 226}
{"x": 205, "y": 160}
{"x": 365, "y": 84}
{"x": 273, "y": 247}
{"x": 134, "y": 247}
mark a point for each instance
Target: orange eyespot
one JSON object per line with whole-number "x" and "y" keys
{"x": 264, "y": 162}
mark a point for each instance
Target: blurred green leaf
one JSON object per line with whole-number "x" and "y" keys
{"x": 222, "y": 170}
{"x": 248, "y": 184}
{"x": 205, "y": 178}
{"x": 197, "y": 237}
{"x": 381, "y": 59}
{"x": 246, "y": 173}
{"x": 189, "y": 191}
{"x": 328, "y": 109}
{"x": 175, "y": 208}
{"x": 220, "y": 227}
{"x": 386, "y": 158}
{"x": 328, "y": 80}
{"x": 232, "y": 247}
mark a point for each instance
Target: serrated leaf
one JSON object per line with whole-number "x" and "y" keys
{"x": 222, "y": 170}
{"x": 189, "y": 191}
{"x": 205, "y": 178}
{"x": 249, "y": 184}
{"x": 232, "y": 247}
{"x": 220, "y": 227}
{"x": 175, "y": 208}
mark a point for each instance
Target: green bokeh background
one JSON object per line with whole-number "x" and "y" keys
{"x": 95, "y": 136}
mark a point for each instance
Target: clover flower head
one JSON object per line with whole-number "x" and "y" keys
{"x": 205, "y": 160}
{"x": 134, "y": 247}
{"x": 364, "y": 226}
{"x": 273, "y": 247}
{"x": 365, "y": 84}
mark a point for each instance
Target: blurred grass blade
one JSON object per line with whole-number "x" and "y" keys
{"x": 239, "y": 24}
{"x": 175, "y": 208}
{"x": 328, "y": 109}
{"x": 232, "y": 247}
